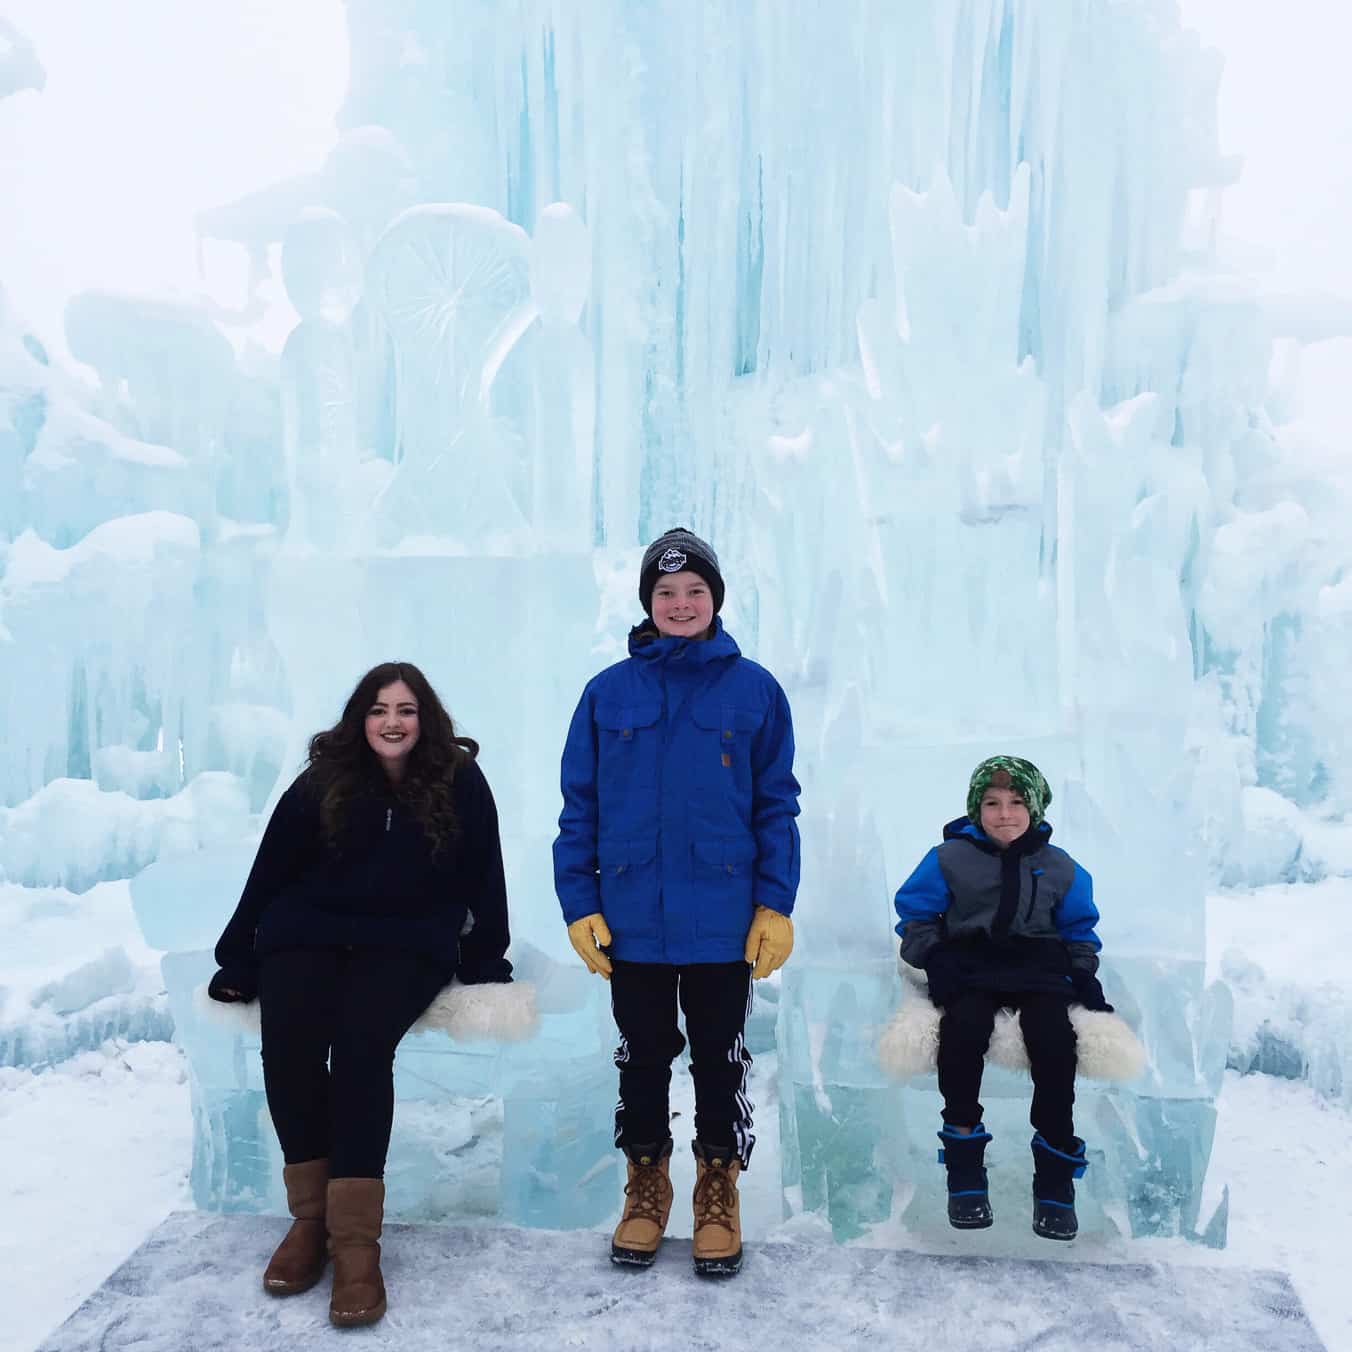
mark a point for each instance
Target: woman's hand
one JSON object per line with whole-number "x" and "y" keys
{"x": 588, "y": 937}
{"x": 233, "y": 986}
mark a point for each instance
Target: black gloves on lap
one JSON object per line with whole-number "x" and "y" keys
{"x": 945, "y": 975}
{"x": 1089, "y": 993}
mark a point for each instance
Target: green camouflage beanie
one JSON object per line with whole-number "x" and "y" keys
{"x": 1009, "y": 772}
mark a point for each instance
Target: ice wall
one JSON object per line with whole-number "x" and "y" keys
{"x": 914, "y": 310}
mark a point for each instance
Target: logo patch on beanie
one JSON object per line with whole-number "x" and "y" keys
{"x": 672, "y": 561}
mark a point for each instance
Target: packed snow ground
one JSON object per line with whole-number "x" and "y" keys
{"x": 1286, "y": 1153}
{"x": 99, "y": 1144}
{"x": 97, "y": 1151}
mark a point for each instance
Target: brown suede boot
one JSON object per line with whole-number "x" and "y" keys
{"x": 299, "y": 1260}
{"x": 647, "y": 1205}
{"x": 356, "y": 1209}
{"x": 718, "y": 1222}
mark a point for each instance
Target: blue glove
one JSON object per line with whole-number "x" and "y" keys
{"x": 1088, "y": 991}
{"x": 946, "y": 978}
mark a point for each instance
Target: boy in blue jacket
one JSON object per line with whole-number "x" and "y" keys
{"x": 998, "y": 917}
{"x": 676, "y": 866}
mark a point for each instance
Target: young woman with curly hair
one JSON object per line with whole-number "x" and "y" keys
{"x": 379, "y": 877}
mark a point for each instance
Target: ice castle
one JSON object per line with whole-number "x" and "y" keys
{"x": 913, "y": 310}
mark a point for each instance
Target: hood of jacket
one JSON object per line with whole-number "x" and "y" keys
{"x": 964, "y": 828}
{"x": 646, "y": 644}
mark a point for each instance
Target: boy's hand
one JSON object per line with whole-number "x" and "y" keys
{"x": 769, "y": 941}
{"x": 943, "y": 973}
{"x": 588, "y": 937}
{"x": 1089, "y": 992}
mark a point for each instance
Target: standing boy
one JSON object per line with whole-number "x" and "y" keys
{"x": 676, "y": 866}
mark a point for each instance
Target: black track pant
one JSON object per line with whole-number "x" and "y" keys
{"x": 715, "y": 998}
{"x": 965, "y": 1033}
{"x": 332, "y": 1018}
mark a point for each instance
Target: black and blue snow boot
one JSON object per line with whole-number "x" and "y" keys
{"x": 969, "y": 1203}
{"x": 1054, "y": 1172}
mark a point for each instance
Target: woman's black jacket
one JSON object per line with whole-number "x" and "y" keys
{"x": 381, "y": 887}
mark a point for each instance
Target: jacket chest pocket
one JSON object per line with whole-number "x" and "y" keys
{"x": 626, "y": 744}
{"x": 726, "y": 731}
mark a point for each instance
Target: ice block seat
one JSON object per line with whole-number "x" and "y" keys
{"x": 503, "y": 1093}
{"x": 1106, "y": 1047}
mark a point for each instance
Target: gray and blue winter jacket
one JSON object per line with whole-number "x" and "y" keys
{"x": 678, "y": 800}
{"x": 970, "y": 891}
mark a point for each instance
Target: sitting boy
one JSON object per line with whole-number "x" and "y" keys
{"x": 999, "y": 917}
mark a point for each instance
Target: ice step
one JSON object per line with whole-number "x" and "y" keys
{"x": 194, "y": 1284}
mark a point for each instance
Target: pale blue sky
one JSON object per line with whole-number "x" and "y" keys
{"x": 155, "y": 109}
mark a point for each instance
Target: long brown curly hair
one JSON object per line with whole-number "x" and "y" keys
{"x": 342, "y": 766}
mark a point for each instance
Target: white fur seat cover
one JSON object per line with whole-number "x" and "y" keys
{"x": 1105, "y": 1046}
{"x": 498, "y": 1011}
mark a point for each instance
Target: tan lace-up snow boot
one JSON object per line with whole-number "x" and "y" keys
{"x": 718, "y": 1222}
{"x": 647, "y": 1205}
{"x": 356, "y": 1212}
{"x": 298, "y": 1262}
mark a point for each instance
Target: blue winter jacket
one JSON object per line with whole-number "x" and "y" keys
{"x": 678, "y": 800}
{"x": 970, "y": 890}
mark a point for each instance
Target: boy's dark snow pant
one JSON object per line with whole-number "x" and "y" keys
{"x": 965, "y": 1033}
{"x": 332, "y": 1018}
{"x": 715, "y": 998}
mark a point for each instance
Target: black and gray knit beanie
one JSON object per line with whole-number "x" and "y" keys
{"x": 672, "y": 552}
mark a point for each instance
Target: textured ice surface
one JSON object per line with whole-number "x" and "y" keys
{"x": 76, "y": 972}
{"x": 1281, "y": 950}
{"x": 940, "y": 355}
{"x": 19, "y": 65}
{"x": 194, "y": 1284}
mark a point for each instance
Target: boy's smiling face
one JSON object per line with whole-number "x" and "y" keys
{"x": 1004, "y": 815}
{"x": 683, "y": 605}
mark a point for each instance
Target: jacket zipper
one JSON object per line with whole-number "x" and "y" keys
{"x": 1032, "y": 898}
{"x": 389, "y": 816}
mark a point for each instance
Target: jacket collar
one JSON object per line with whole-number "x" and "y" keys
{"x": 964, "y": 828}
{"x": 648, "y": 645}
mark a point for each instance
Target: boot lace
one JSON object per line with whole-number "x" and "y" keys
{"x": 715, "y": 1198}
{"x": 646, "y": 1194}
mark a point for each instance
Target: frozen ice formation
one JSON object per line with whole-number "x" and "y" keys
{"x": 913, "y": 311}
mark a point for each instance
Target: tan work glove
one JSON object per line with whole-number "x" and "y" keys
{"x": 769, "y": 941}
{"x": 587, "y": 936}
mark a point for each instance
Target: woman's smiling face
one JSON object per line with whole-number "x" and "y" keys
{"x": 392, "y": 727}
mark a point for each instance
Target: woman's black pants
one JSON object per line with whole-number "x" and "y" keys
{"x": 332, "y": 1018}
{"x": 965, "y": 1033}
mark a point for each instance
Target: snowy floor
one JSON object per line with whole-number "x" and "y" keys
{"x": 193, "y": 1287}
{"x": 96, "y": 1154}
{"x": 1285, "y": 1152}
